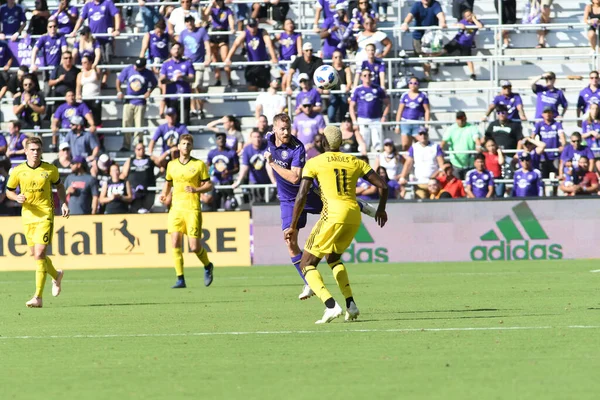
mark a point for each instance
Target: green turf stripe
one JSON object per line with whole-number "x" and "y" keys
{"x": 529, "y": 222}
{"x": 509, "y": 229}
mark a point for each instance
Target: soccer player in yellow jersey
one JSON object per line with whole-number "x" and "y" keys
{"x": 336, "y": 174}
{"x": 188, "y": 177}
{"x": 35, "y": 178}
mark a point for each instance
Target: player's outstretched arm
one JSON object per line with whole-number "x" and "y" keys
{"x": 305, "y": 185}
{"x": 376, "y": 180}
{"x": 62, "y": 196}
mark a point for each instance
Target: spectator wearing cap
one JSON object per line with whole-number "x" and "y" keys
{"x": 139, "y": 171}
{"x": 506, "y": 133}
{"x": 116, "y": 194}
{"x": 551, "y": 132}
{"x": 425, "y": 158}
{"x": 63, "y": 161}
{"x": 583, "y": 182}
{"x": 527, "y": 182}
{"x": 87, "y": 45}
{"x": 369, "y": 107}
{"x": 259, "y": 47}
{"x": 15, "y": 150}
{"x": 548, "y": 96}
{"x": 139, "y": 81}
{"x": 307, "y": 64}
{"x": 573, "y": 151}
{"x": 30, "y": 105}
{"x": 176, "y": 74}
{"x": 61, "y": 119}
{"x": 104, "y": 18}
{"x": 270, "y": 102}
{"x": 12, "y": 19}
{"x": 101, "y": 172}
{"x": 336, "y": 32}
{"x": 224, "y": 164}
{"x": 82, "y": 142}
{"x": 435, "y": 190}
{"x": 464, "y": 40}
{"x": 479, "y": 181}
{"x": 280, "y": 10}
{"x": 254, "y": 166}
{"x": 449, "y": 182}
{"x": 307, "y": 124}
{"x": 589, "y": 95}
{"x": 328, "y": 9}
{"x": 307, "y": 91}
{"x": 81, "y": 188}
{"x": 373, "y": 64}
{"x": 169, "y": 133}
{"x": 64, "y": 77}
{"x": 196, "y": 48}
{"x": 460, "y": 137}
{"x": 535, "y": 148}
{"x": 389, "y": 159}
{"x": 51, "y": 46}
{"x": 424, "y": 13}
{"x": 512, "y": 102}
{"x": 176, "y": 21}
{"x": 414, "y": 106}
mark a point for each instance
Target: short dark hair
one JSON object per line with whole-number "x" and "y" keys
{"x": 501, "y": 108}
{"x": 161, "y": 24}
{"x": 582, "y": 157}
{"x": 479, "y": 156}
{"x": 577, "y": 135}
{"x": 16, "y": 123}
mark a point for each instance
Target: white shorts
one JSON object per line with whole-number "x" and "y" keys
{"x": 371, "y": 130}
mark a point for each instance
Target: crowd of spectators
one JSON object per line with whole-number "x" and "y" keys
{"x": 182, "y": 42}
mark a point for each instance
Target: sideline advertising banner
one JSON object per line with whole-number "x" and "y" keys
{"x": 126, "y": 241}
{"x": 454, "y": 231}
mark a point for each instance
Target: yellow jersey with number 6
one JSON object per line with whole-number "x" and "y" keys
{"x": 36, "y": 185}
{"x": 337, "y": 174}
{"x": 192, "y": 173}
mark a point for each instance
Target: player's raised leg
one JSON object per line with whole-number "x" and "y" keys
{"x": 341, "y": 277}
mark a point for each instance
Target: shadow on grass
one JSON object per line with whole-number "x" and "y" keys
{"x": 155, "y": 304}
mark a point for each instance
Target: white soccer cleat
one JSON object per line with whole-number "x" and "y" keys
{"x": 36, "y": 302}
{"x": 366, "y": 208}
{"x": 330, "y": 314}
{"x": 352, "y": 312}
{"x": 307, "y": 292}
{"x": 56, "y": 283}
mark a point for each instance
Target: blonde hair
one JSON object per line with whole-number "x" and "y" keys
{"x": 333, "y": 136}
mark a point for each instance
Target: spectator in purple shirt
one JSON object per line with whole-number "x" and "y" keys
{"x": 573, "y": 152}
{"x": 169, "y": 132}
{"x": 527, "y": 182}
{"x": 290, "y": 43}
{"x": 221, "y": 20}
{"x": 223, "y": 163}
{"x": 464, "y": 40}
{"x": 512, "y": 101}
{"x": 336, "y": 33}
{"x": 12, "y": 19}
{"x": 535, "y": 148}
{"x": 307, "y": 92}
{"x": 196, "y": 48}
{"x": 66, "y": 17}
{"x": 589, "y": 95}
{"x": 479, "y": 181}
{"x": 414, "y": 106}
{"x": 103, "y": 18}
{"x": 259, "y": 47}
{"x": 369, "y": 107}
{"x": 51, "y": 46}
{"x": 552, "y": 133}
{"x": 61, "y": 119}
{"x": 139, "y": 81}
{"x": 548, "y": 96}
{"x": 253, "y": 163}
{"x": 590, "y": 130}
{"x": 375, "y": 65}
{"x": 176, "y": 74}
{"x": 16, "y": 143}
{"x": 155, "y": 45}
{"x": 307, "y": 124}
{"x": 328, "y": 9}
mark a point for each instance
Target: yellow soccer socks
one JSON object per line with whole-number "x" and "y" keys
{"x": 178, "y": 260}
{"x": 40, "y": 277}
{"x": 50, "y": 268}
{"x": 315, "y": 281}
{"x": 341, "y": 277}
{"x": 202, "y": 255}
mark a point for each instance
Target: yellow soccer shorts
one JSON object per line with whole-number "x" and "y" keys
{"x": 39, "y": 232}
{"x": 188, "y": 222}
{"x": 327, "y": 237}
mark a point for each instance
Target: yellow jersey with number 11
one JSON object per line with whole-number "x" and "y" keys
{"x": 337, "y": 174}
{"x": 192, "y": 173}
{"x": 36, "y": 185}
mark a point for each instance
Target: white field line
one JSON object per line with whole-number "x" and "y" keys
{"x": 303, "y": 332}
{"x": 595, "y": 270}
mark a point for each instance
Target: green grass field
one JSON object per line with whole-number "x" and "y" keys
{"x": 512, "y": 330}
